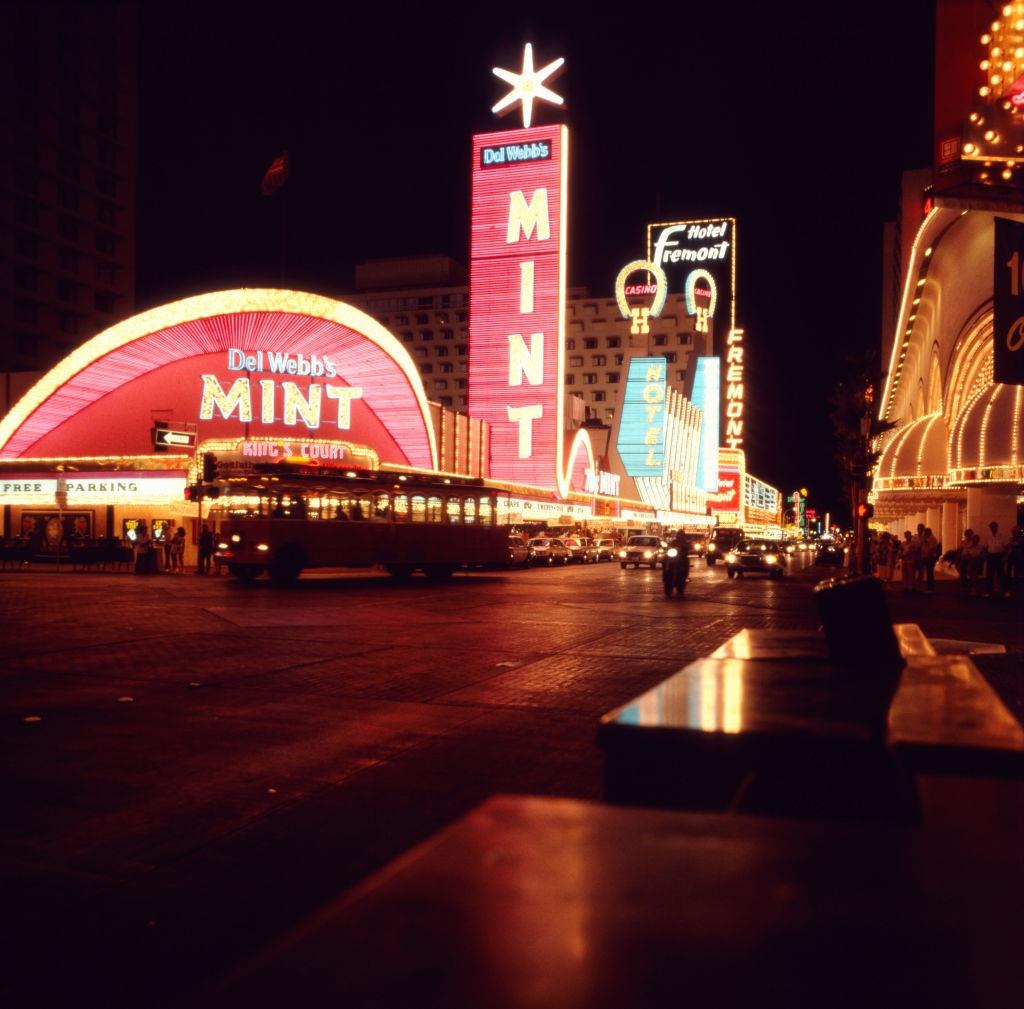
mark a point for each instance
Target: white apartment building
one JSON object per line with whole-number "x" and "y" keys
{"x": 424, "y": 301}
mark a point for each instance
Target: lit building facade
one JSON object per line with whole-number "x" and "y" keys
{"x": 955, "y": 457}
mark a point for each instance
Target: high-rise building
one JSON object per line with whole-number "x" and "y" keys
{"x": 424, "y": 301}
{"x": 67, "y": 176}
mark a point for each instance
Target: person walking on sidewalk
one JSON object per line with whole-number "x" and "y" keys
{"x": 908, "y": 560}
{"x": 963, "y": 559}
{"x": 929, "y": 556}
{"x": 974, "y": 558}
{"x": 995, "y": 558}
{"x": 205, "y": 550}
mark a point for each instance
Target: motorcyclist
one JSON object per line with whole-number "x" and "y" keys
{"x": 676, "y": 566}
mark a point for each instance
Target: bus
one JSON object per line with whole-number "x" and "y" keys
{"x": 283, "y": 523}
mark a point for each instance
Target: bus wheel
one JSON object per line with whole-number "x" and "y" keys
{"x": 438, "y": 572}
{"x": 287, "y": 566}
{"x": 245, "y": 572}
{"x": 399, "y": 571}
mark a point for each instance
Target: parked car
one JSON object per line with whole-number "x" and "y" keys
{"x": 606, "y": 548}
{"x": 518, "y": 551}
{"x": 749, "y": 557}
{"x": 641, "y": 550}
{"x": 589, "y": 550}
{"x": 575, "y": 545}
{"x": 548, "y": 550}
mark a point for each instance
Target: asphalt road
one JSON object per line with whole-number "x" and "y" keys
{"x": 193, "y": 765}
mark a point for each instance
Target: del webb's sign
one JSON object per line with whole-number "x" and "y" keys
{"x": 279, "y": 400}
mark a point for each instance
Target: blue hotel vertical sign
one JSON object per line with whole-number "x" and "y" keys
{"x": 641, "y": 442}
{"x": 1008, "y": 302}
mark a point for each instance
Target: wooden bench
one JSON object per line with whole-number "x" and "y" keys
{"x": 533, "y": 902}
{"x": 766, "y": 725}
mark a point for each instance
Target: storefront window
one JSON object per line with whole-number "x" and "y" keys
{"x": 434, "y": 509}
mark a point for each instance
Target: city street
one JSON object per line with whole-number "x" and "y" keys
{"x": 193, "y": 765}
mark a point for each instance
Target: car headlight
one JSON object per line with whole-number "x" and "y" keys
{"x": 622, "y": 553}
{"x": 222, "y": 546}
{"x": 771, "y": 559}
{"x": 263, "y": 546}
{"x": 672, "y": 552}
{"x": 730, "y": 558}
{"x": 648, "y": 554}
{"x": 711, "y": 548}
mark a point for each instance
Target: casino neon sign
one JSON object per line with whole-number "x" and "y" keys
{"x": 641, "y": 313}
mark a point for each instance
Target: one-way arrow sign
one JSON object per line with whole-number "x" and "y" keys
{"x": 164, "y": 437}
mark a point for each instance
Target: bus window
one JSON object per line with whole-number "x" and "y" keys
{"x": 454, "y": 509}
{"x": 433, "y": 509}
{"x": 469, "y": 509}
{"x": 400, "y": 507}
{"x": 382, "y": 507}
{"x": 419, "y": 508}
{"x": 486, "y": 511}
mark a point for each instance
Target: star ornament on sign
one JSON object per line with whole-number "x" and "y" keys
{"x": 528, "y": 86}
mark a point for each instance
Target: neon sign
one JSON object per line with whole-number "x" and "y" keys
{"x": 641, "y": 441}
{"x": 701, "y": 297}
{"x": 706, "y": 394}
{"x": 528, "y": 86}
{"x": 659, "y": 288}
{"x": 734, "y": 389}
{"x": 517, "y": 298}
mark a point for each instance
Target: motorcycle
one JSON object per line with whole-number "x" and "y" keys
{"x": 675, "y": 569}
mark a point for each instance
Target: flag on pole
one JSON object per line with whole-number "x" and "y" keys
{"x": 276, "y": 175}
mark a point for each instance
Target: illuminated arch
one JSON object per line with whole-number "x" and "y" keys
{"x": 581, "y": 441}
{"x": 209, "y": 323}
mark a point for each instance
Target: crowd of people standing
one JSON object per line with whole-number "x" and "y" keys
{"x": 989, "y": 564}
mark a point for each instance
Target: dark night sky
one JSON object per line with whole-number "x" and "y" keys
{"x": 795, "y": 118}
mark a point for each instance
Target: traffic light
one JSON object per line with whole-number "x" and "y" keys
{"x": 192, "y": 492}
{"x": 210, "y": 468}
{"x": 865, "y": 511}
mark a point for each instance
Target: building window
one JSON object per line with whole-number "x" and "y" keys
{"x": 440, "y": 383}
{"x": 68, "y": 167}
{"x": 613, "y": 341}
{"x": 106, "y": 213}
{"x": 461, "y": 316}
{"x": 670, "y": 357}
{"x": 26, "y": 311}
{"x": 598, "y": 396}
{"x": 460, "y": 383}
{"x": 599, "y": 360}
{"x": 67, "y": 290}
{"x": 681, "y": 375}
{"x": 660, "y": 341}
{"x": 441, "y": 352}
{"x": 407, "y": 337}
{"x": 106, "y": 183}
{"x": 27, "y": 212}
{"x": 447, "y": 334}
{"x": 69, "y": 136}
{"x": 401, "y": 320}
{"x": 618, "y": 358}
{"x": 67, "y": 197}
{"x": 26, "y": 246}
{"x": 26, "y": 343}
{"x": 106, "y": 273}
{"x": 570, "y": 344}
{"x": 460, "y": 349}
{"x": 68, "y": 322}
{"x": 590, "y": 343}
{"x": 106, "y": 122}
{"x": 104, "y": 302}
{"x": 446, "y": 367}
{"x": 67, "y": 227}
{"x": 682, "y": 339}
{"x": 612, "y": 377}
{"x": 26, "y": 279}
{"x": 570, "y": 379}
{"x": 589, "y": 378}
{"x": 106, "y": 243}
{"x": 426, "y": 369}
{"x": 446, "y": 401}
{"x": 426, "y": 336}
{"x": 67, "y": 260}
{"x": 105, "y": 153}
{"x": 26, "y": 179}
{"x": 421, "y": 319}
{"x": 576, "y": 362}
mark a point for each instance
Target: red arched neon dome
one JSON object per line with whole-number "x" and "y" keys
{"x": 243, "y": 363}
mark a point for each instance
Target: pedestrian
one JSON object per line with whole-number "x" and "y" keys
{"x": 177, "y": 563}
{"x": 963, "y": 559}
{"x": 908, "y": 560}
{"x": 1015, "y": 561}
{"x": 205, "y": 550}
{"x": 929, "y": 557}
{"x": 165, "y": 540}
{"x": 143, "y": 549}
{"x": 995, "y": 558}
{"x": 974, "y": 554}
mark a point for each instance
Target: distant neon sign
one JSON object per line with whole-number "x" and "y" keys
{"x": 734, "y": 391}
{"x": 701, "y": 297}
{"x": 640, "y": 313}
{"x": 641, "y": 441}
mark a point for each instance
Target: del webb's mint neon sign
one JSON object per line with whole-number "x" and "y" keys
{"x": 296, "y": 405}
